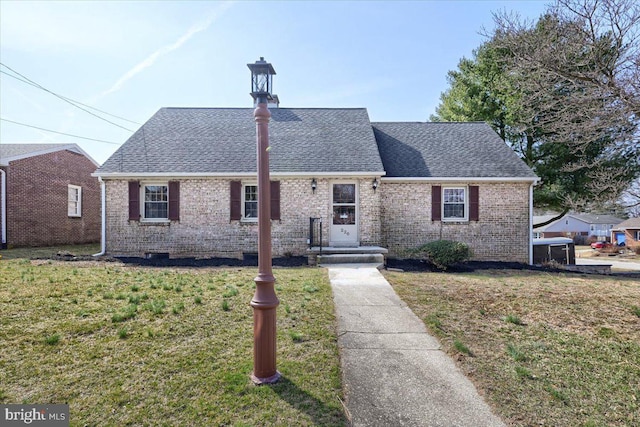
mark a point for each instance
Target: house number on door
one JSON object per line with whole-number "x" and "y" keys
{"x": 343, "y": 231}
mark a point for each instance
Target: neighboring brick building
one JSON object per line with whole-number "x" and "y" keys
{"x": 47, "y": 195}
{"x": 185, "y": 184}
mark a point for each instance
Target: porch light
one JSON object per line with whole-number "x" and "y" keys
{"x": 374, "y": 184}
{"x": 262, "y": 74}
{"x": 314, "y": 185}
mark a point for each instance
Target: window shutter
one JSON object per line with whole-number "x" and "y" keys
{"x": 174, "y": 200}
{"x": 436, "y": 203}
{"x": 474, "y": 205}
{"x": 275, "y": 200}
{"x": 236, "y": 200}
{"x": 134, "y": 200}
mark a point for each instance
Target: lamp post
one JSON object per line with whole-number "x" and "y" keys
{"x": 264, "y": 300}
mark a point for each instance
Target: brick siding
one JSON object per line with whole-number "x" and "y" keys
{"x": 205, "y": 229}
{"x": 396, "y": 216}
{"x": 502, "y": 232}
{"x": 37, "y": 200}
{"x": 2, "y": 238}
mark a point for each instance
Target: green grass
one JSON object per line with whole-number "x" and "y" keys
{"x": 170, "y": 358}
{"x": 575, "y": 362}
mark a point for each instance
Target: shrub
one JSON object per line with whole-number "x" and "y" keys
{"x": 444, "y": 253}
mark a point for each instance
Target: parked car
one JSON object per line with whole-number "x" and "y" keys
{"x": 600, "y": 245}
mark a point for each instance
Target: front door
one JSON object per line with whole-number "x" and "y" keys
{"x": 344, "y": 224}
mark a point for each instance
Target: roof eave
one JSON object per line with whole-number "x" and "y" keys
{"x": 533, "y": 180}
{"x": 70, "y": 147}
{"x": 133, "y": 175}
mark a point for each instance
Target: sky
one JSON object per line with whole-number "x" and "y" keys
{"x": 124, "y": 60}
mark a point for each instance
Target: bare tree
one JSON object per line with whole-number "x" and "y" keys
{"x": 578, "y": 68}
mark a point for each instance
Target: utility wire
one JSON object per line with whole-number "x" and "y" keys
{"x": 63, "y": 98}
{"x": 69, "y": 99}
{"x": 61, "y": 133}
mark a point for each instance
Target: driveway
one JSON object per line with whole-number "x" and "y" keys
{"x": 615, "y": 265}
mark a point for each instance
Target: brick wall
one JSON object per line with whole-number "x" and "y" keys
{"x": 2, "y": 238}
{"x": 205, "y": 229}
{"x": 502, "y": 233}
{"x": 37, "y": 200}
{"x": 396, "y": 216}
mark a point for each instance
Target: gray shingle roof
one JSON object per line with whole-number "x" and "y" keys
{"x": 630, "y": 223}
{"x": 15, "y": 150}
{"x": 223, "y": 140}
{"x": 597, "y": 219}
{"x": 446, "y": 150}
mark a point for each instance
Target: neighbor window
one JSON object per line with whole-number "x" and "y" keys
{"x": 454, "y": 204}
{"x": 250, "y": 202}
{"x": 74, "y": 205}
{"x": 155, "y": 199}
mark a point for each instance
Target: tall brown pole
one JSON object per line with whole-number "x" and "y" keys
{"x": 264, "y": 300}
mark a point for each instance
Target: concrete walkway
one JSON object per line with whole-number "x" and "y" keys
{"x": 394, "y": 372}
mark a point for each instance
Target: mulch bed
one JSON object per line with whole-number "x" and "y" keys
{"x": 411, "y": 265}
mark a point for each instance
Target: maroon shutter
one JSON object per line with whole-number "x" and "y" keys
{"x": 275, "y": 200}
{"x": 436, "y": 202}
{"x": 174, "y": 200}
{"x": 474, "y": 205}
{"x": 134, "y": 201}
{"x": 236, "y": 200}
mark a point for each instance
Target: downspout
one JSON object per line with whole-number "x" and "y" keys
{"x": 103, "y": 228}
{"x": 531, "y": 223}
{"x": 3, "y": 207}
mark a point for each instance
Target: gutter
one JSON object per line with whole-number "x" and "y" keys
{"x": 3, "y": 207}
{"x": 103, "y": 228}
{"x": 531, "y": 223}
{"x": 232, "y": 175}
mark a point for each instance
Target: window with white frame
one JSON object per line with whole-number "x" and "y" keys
{"x": 74, "y": 204}
{"x": 155, "y": 202}
{"x": 454, "y": 204}
{"x": 250, "y": 202}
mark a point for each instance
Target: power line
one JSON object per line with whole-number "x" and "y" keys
{"x": 63, "y": 98}
{"x": 69, "y": 99}
{"x": 61, "y": 133}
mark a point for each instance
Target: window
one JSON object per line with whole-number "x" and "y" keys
{"x": 250, "y": 202}
{"x": 74, "y": 205}
{"x": 454, "y": 204}
{"x": 155, "y": 199}
{"x": 243, "y": 200}
{"x": 154, "y": 202}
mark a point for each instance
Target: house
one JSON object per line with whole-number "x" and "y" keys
{"x": 584, "y": 227}
{"x": 48, "y": 196}
{"x": 627, "y": 232}
{"x": 185, "y": 185}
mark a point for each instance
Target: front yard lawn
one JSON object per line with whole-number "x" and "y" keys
{"x": 543, "y": 348}
{"x": 146, "y": 346}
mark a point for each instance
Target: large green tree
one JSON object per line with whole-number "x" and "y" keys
{"x": 559, "y": 93}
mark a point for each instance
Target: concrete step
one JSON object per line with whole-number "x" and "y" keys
{"x": 351, "y": 259}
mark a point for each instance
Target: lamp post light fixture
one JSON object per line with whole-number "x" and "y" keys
{"x": 264, "y": 301}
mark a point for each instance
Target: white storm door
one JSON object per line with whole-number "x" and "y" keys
{"x": 344, "y": 223}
